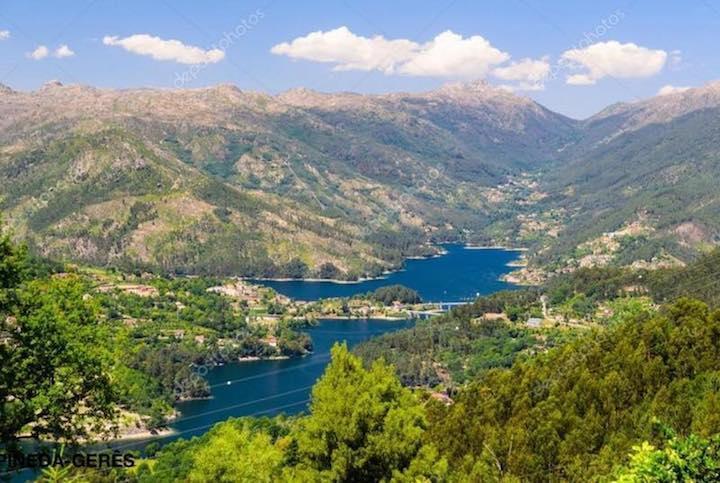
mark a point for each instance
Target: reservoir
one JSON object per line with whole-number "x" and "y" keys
{"x": 269, "y": 387}
{"x": 459, "y": 275}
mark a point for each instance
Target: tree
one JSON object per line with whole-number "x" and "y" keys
{"x": 296, "y": 268}
{"x": 236, "y": 453}
{"x": 395, "y": 293}
{"x": 363, "y": 424}
{"x": 54, "y": 366}
{"x": 329, "y": 271}
{"x": 682, "y": 459}
{"x": 13, "y": 265}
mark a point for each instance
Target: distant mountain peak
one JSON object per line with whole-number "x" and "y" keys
{"x": 298, "y": 94}
{"x": 226, "y": 87}
{"x": 478, "y": 85}
{"x": 5, "y": 89}
{"x": 51, "y": 84}
{"x": 478, "y": 91}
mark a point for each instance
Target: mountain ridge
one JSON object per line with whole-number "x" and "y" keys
{"x": 351, "y": 188}
{"x": 346, "y": 181}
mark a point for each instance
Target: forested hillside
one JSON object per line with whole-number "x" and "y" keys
{"x": 493, "y": 331}
{"x": 90, "y": 355}
{"x": 614, "y": 388}
{"x": 224, "y": 181}
{"x": 644, "y": 172}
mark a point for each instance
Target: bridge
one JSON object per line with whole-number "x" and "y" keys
{"x": 442, "y": 307}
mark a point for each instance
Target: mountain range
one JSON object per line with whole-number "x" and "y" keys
{"x": 344, "y": 185}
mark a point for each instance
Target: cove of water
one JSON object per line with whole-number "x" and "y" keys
{"x": 460, "y": 275}
{"x": 275, "y": 386}
{"x": 270, "y": 387}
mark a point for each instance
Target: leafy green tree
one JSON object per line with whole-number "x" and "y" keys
{"x": 55, "y": 368}
{"x": 682, "y": 459}
{"x": 237, "y": 454}
{"x": 13, "y": 264}
{"x": 391, "y": 293}
{"x": 363, "y": 424}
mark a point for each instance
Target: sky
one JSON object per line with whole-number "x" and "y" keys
{"x": 574, "y": 57}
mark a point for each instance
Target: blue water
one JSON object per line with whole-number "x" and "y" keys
{"x": 460, "y": 275}
{"x": 270, "y": 387}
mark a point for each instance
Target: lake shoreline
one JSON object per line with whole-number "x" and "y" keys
{"x": 385, "y": 275}
{"x": 350, "y": 317}
{"x": 496, "y": 247}
{"x": 477, "y": 269}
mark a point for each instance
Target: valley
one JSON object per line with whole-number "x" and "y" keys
{"x": 346, "y": 186}
{"x": 268, "y": 270}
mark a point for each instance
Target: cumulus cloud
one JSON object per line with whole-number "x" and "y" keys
{"x": 347, "y": 50}
{"x": 161, "y": 49}
{"x": 63, "y": 51}
{"x": 527, "y": 74}
{"x": 450, "y": 55}
{"x": 613, "y": 59}
{"x": 447, "y": 55}
{"x": 4, "y": 34}
{"x": 39, "y": 53}
{"x": 668, "y": 89}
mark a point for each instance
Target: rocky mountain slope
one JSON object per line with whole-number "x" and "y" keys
{"x": 648, "y": 168}
{"x": 220, "y": 180}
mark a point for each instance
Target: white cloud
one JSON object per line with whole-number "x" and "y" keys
{"x": 63, "y": 51}
{"x": 4, "y": 34}
{"x": 613, "y": 59}
{"x": 668, "y": 89}
{"x": 450, "y": 55}
{"x": 347, "y": 50}
{"x": 447, "y": 55}
{"x": 161, "y": 49}
{"x": 529, "y": 74}
{"x": 39, "y": 53}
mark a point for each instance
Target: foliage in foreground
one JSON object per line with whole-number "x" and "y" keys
{"x": 588, "y": 410}
{"x": 681, "y": 459}
{"x": 74, "y": 355}
{"x": 576, "y": 411}
{"x": 363, "y": 426}
{"x": 52, "y": 372}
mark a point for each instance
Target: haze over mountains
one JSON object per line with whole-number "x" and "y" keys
{"x": 219, "y": 180}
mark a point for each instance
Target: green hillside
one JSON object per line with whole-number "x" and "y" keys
{"x": 227, "y": 182}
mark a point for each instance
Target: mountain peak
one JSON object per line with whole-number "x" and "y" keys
{"x": 478, "y": 85}
{"x": 51, "y": 84}
{"x": 5, "y": 89}
{"x": 226, "y": 88}
{"x": 477, "y": 91}
{"x": 664, "y": 108}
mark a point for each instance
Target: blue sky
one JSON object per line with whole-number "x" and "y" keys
{"x": 573, "y": 57}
